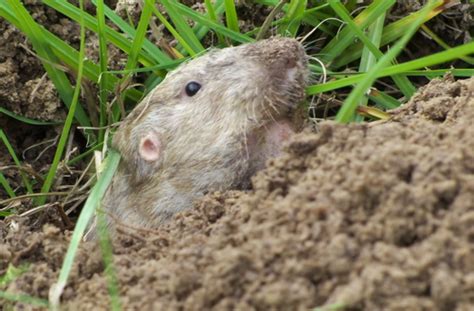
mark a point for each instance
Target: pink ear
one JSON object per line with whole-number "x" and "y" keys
{"x": 150, "y": 147}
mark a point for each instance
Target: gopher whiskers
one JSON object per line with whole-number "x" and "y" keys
{"x": 318, "y": 25}
{"x": 323, "y": 67}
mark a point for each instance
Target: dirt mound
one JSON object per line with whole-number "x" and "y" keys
{"x": 371, "y": 216}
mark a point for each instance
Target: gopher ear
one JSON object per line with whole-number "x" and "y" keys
{"x": 148, "y": 155}
{"x": 142, "y": 149}
{"x": 150, "y": 147}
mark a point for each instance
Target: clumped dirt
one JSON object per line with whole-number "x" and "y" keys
{"x": 24, "y": 89}
{"x": 371, "y": 216}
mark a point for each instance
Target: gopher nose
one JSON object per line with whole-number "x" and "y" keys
{"x": 278, "y": 53}
{"x": 285, "y": 66}
{"x": 289, "y": 62}
{"x": 283, "y": 55}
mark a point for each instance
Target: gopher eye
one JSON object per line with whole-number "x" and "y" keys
{"x": 192, "y": 88}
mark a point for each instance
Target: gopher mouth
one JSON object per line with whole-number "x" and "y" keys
{"x": 286, "y": 66}
{"x": 288, "y": 86}
{"x": 286, "y": 94}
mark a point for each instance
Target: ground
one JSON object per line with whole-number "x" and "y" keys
{"x": 370, "y": 216}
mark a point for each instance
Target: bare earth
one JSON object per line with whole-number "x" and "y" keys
{"x": 372, "y": 216}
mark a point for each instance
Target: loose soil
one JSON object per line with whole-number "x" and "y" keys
{"x": 375, "y": 216}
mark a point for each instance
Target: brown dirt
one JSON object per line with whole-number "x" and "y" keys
{"x": 26, "y": 90}
{"x": 23, "y": 88}
{"x": 374, "y": 216}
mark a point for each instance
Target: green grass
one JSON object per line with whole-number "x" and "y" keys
{"x": 232, "y": 21}
{"x": 10, "y": 275}
{"x": 25, "y": 299}
{"x": 359, "y": 47}
{"x": 110, "y": 166}
{"x": 293, "y": 18}
{"x": 11, "y": 151}
{"x": 73, "y": 107}
{"x": 103, "y": 59}
{"x": 347, "y": 111}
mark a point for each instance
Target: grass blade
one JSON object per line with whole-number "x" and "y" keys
{"x": 231, "y": 16}
{"x": 391, "y": 33}
{"x": 347, "y": 110}
{"x": 35, "y": 34}
{"x": 103, "y": 68}
{"x": 444, "y": 45}
{"x": 201, "y": 30}
{"x": 107, "y": 256}
{"x": 456, "y": 72}
{"x": 113, "y": 36}
{"x": 6, "y": 186}
{"x": 172, "y": 30}
{"x": 402, "y": 82}
{"x": 68, "y": 123}
{"x": 269, "y": 21}
{"x": 405, "y": 68}
{"x": 183, "y": 28}
{"x": 373, "y": 112}
{"x": 203, "y": 20}
{"x": 158, "y": 55}
{"x": 338, "y": 45}
{"x": 293, "y": 18}
{"x": 69, "y": 57}
{"x": 110, "y": 164}
{"x": 38, "y": 302}
{"x": 212, "y": 15}
{"x": 368, "y": 59}
{"x": 25, "y": 119}
{"x": 383, "y": 100}
{"x": 140, "y": 35}
{"x": 26, "y": 181}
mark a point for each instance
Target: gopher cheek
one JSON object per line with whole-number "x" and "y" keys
{"x": 277, "y": 134}
{"x": 267, "y": 143}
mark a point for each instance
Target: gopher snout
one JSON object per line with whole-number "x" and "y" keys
{"x": 279, "y": 55}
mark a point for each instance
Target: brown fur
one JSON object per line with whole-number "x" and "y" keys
{"x": 214, "y": 140}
